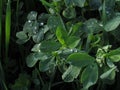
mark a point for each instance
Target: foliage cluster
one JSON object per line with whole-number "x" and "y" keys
{"x": 71, "y": 42}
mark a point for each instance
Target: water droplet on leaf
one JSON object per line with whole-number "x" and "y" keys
{"x": 32, "y": 15}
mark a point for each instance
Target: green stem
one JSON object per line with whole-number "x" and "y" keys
{"x": 0, "y": 27}
{"x": 52, "y": 78}
{"x": 7, "y": 27}
{"x": 104, "y": 12}
{"x": 17, "y": 15}
{"x": 5, "y": 87}
{"x": 40, "y": 77}
{"x": 57, "y": 83}
{"x": 89, "y": 38}
{"x": 2, "y": 79}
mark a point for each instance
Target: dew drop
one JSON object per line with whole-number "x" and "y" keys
{"x": 101, "y": 25}
{"x": 41, "y": 24}
{"x": 29, "y": 21}
{"x": 71, "y": 50}
{"x": 75, "y": 50}
{"x": 32, "y": 15}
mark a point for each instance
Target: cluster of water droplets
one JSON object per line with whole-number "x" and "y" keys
{"x": 32, "y": 27}
{"x": 92, "y": 25}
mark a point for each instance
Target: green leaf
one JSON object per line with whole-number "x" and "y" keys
{"x": 110, "y": 79}
{"x": 71, "y": 73}
{"x": 72, "y": 41}
{"x": 116, "y": 34}
{"x": 47, "y": 64}
{"x": 55, "y": 21}
{"x": 92, "y": 26}
{"x": 32, "y": 15}
{"x": 22, "y": 83}
{"x": 114, "y": 55}
{"x": 61, "y": 35}
{"x": 89, "y": 76}
{"x": 95, "y": 4}
{"x": 110, "y": 63}
{"x": 36, "y": 48}
{"x": 42, "y": 18}
{"x": 112, "y": 24}
{"x": 37, "y": 38}
{"x": 110, "y": 74}
{"x": 21, "y": 41}
{"x": 49, "y": 46}
{"x": 21, "y": 35}
{"x": 80, "y": 59}
{"x": 68, "y": 2}
{"x": 32, "y": 59}
{"x": 69, "y": 13}
{"x": 76, "y": 29}
{"x": 79, "y": 3}
{"x": 45, "y": 87}
{"x": 27, "y": 28}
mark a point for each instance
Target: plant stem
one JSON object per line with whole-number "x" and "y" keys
{"x": 7, "y": 27}
{"x": 2, "y": 79}
{"x": 57, "y": 83}
{"x": 0, "y": 27}
{"x": 5, "y": 87}
{"x": 89, "y": 38}
{"x": 40, "y": 77}
{"x": 104, "y": 12}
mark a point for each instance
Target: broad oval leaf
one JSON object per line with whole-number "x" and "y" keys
{"x": 107, "y": 74}
{"x": 69, "y": 13}
{"x": 89, "y": 76}
{"x": 21, "y": 35}
{"x": 95, "y": 4}
{"x": 80, "y": 59}
{"x": 38, "y": 36}
{"x": 49, "y": 46}
{"x": 36, "y": 48}
{"x": 42, "y": 18}
{"x": 92, "y": 26}
{"x": 47, "y": 64}
{"x": 55, "y": 21}
{"x": 28, "y": 26}
{"x": 71, "y": 73}
{"x": 31, "y": 60}
{"x": 20, "y": 41}
{"x": 112, "y": 24}
{"x": 114, "y": 55}
{"x": 32, "y": 15}
{"x": 79, "y": 3}
{"x": 61, "y": 35}
{"x": 22, "y": 82}
{"x": 73, "y": 41}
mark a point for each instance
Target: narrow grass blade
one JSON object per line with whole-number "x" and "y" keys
{"x": 0, "y": 26}
{"x": 7, "y": 26}
{"x": 104, "y": 12}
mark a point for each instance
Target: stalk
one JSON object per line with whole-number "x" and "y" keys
{"x": 7, "y": 27}
{"x": 104, "y": 12}
{"x": 0, "y": 27}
